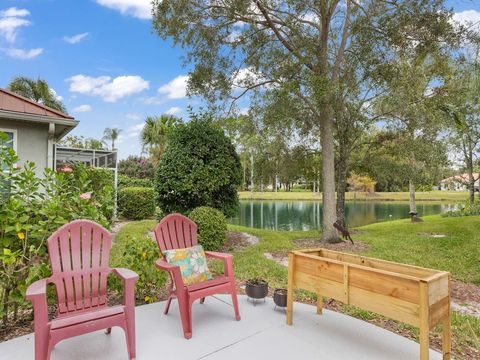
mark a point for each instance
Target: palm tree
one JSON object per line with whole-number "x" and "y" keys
{"x": 111, "y": 134}
{"x": 154, "y": 134}
{"x": 36, "y": 90}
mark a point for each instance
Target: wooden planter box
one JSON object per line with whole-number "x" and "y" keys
{"x": 410, "y": 294}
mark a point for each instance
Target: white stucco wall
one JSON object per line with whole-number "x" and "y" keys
{"x": 32, "y": 140}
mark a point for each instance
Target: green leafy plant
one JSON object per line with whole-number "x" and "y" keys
{"x": 198, "y": 168}
{"x": 136, "y": 203}
{"x": 138, "y": 252}
{"x": 31, "y": 209}
{"x": 212, "y": 227}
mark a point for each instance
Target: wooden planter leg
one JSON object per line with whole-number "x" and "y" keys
{"x": 424, "y": 322}
{"x": 319, "y": 304}
{"x": 447, "y": 331}
{"x": 290, "y": 290}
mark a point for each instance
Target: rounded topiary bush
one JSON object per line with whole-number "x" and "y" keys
{"x": 198, "y": 168}
{"x": 212, "y": 227}
{"x": 136, "y": 203}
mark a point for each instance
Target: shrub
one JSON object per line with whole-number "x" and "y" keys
{"x": 31, "y": 209}
{"x": 138, "y": 252}
{"x": 212, "y": 227}
{"x": 136, "y": 167}
{"x": 467, "y": 209}
{"x": 198, "y": 168}
{"x": 125, "y": 181}
{"x": 136, "y": 203}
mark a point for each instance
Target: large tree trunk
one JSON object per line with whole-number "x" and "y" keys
{"x": 413, "y": 205}
{"x": 329, "y": 234}
{"x": 341, "y": 185}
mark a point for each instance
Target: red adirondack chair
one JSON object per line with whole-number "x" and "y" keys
{"x": 176, "y": 231}
{"x": 79, "y": 253}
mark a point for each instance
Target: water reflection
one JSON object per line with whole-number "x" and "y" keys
{"x": 307, "y": 215}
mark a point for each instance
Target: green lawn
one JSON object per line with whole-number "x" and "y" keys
{"x": 402, "y": 241}
{"x": 449, "y": 196}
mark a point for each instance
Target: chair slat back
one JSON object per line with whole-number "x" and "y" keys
{"x": 79, "y": 253}
{"x": 176, "y": 231}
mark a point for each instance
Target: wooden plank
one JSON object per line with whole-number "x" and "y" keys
{"x": 404, "y": 269}
{"x": 424, "y": 322}
{"x": 317, "y": 267}
{"x": 354, "y": 265}
{"x": 345, "y": 284}
{"x": 328, "y": 288}
{"x": 385, "y": 284}
{"x": 439, "y": 311}
{"x": 438, "y": 289}
{"x": 290, "y": 288}
{"x": 391, "y": 307}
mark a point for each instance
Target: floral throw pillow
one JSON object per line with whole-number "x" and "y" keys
{"x": 192, "y": 262}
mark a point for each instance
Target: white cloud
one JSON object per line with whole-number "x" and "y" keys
{"x": 175, "y": 89}
{"x": 108, "y": 89}
{"x": 133, "y": 131}
{"x": 13, "y": 11}
{"x": 58, "y": 97}
{"x": 141, "y": 9}
{"x": 75, "y": 39}
{"x": 11, "y": 20}
{"x": 468, "y": 18}
{"x": 82, "y": 108}
{"x": 133, "y": 116}
{"x": 173, "y": 110}
{"x": 23, "y": 54}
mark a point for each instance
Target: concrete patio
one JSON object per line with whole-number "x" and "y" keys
{"x": 262, "y": 333}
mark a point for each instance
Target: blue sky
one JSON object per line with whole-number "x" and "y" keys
{"x": 104, "y": 61}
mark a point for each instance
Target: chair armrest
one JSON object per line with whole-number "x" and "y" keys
{"x": 129, "y": 279}
{"x": 37, "y": 290}
{"x": 37, "y": 294}
{"x": 174, "y": 271}
{"x": 226, "y": 258}
{"x": 125, "y": 274}
{"x": 218, "y": 255}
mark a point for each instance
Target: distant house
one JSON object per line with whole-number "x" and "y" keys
{"x": 459, "y": 182}
{"x": 33, "y": 129}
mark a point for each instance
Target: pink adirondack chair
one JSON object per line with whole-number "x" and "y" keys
{"x": 176, "y": 231}
{"x": 79, "y": 253}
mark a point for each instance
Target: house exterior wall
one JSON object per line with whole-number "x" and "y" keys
{"x": 32, "y": 142}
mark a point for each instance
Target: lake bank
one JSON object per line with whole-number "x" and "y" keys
{"x": 437, "y": 195}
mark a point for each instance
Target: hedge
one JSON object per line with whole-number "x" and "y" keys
{"x": 212, "y": 227}
{"x": 136, "y": 203}
{"x": 125, "y": 181}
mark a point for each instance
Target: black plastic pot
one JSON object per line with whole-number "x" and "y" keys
{"x": 256, "y": 290}
{"x": 280, "y": 297}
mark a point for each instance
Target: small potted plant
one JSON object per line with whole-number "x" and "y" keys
{"x": 256, "y": 288}
{"x": 280, "y": 297}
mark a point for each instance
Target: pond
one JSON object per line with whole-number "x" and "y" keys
{"x": 307, "y": 215}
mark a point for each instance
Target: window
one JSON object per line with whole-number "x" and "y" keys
{"x": 11, "y": 142}
{"x": 12, "y": 138}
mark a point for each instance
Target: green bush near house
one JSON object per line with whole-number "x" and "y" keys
{"x": 134, "y": 249}
{"x": 212, "y": 227}
{"x": 136, "y": 203}
{"x": 126, "y": 181}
